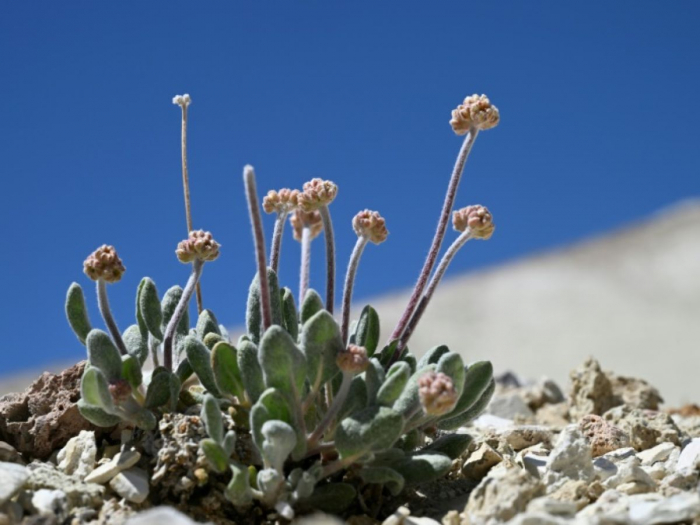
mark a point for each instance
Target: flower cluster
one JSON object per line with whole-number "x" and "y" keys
{"x": 353, "y": 360}
{"x": 476, "y": 112}
{"x": 104, "y": 264}
{"x": 437, "y": 393}
{"x": 317, "y": 193}
{"x": 477, "y": 218}
{"x": 301, "y": 219}
{"x": 371, "y": 225}
{"x": 282, "y": 201}
{"x": 199, "y": 245}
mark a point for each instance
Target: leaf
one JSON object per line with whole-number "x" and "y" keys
{"x": 476, "y": 380}
{"x": 238, "y": 490}
{"x": 311, "y": 305}
{"x": 289, "y": 313}
{"x": 271, "y": 405}
{"x": 227, "y": 375}
{"x": 432, "y": 356}
{"x": 409, "y": 401}
{"x": 104, "y": 355}
{"x": 422, "y": 468}
{"x": 135, "y": 343}
{"x": 332, "y": 497}
{"x": 76, "y": 312}
{"x": 211, "y": 415}
{"x": 383, "y": 476}
{"x": 472, "y": 412}
{"x": 96, "y": 415}
{"x": 396, "y": 379}
{"x": 367, "y": 332}
{"x": 94, "y": 390}
{"x": 149, "y": 308}
{"x": 207, "y": 324}
{"x": 254, "y": 312}
{"x": 321, "y": 343}
{"x": 200, "y": 360}
{"x": 282, "y": 363}
{"x": 211, "y": 339}
{"x": 279, "y": 439}
{"x": 168, "y": 305}
{"x": 144, "y": 419}
{"x": 158, "y": 391}
{"x": 374, "y": 377}
{"x": 452, "y": 445}
{"x": 251, "y": 372}
{"x": 215, "y": 454}
{"x": 131, "y": 370}
{"x": 372, "y": 429}
{"x": 451, "y": 365}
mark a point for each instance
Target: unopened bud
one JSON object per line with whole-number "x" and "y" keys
{"x": 437, "y": 393}
{"x": 282, "y": 201}
{"x": 477, "y": 218}
{"x": 354, "y": 360}
{"x": 317, "y": 193}
{"x": 104, "y": 264}
{"x": 301, "y": 219}
{"x": 475, "y": 112}
{"x": 371, "y": 225}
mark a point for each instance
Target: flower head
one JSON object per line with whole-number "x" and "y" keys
{"x": 182, "y": 100}
{"x": 317, "y": 193}
{"x": 282, "y": 201}
{"x": 300, "y": 220}
{"x": 477, "y": 218}
{"x": 120, "y": 391}
{"x": 104, "y": 264}
{"x": 437, "y": 393}
{"x": 354, "y": 360}
{"x": 199, "y": 245}
{"x": 475, "y": 112}
{"x": 371, "y": 225}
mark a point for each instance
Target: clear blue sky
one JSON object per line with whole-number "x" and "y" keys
{"x": 599, "y": 104}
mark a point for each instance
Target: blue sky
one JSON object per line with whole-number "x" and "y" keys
{"x": 599, "y": 106}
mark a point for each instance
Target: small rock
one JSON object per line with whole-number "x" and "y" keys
{"x": 602, "y": 436}
{"x": 660, "y": 452}
{"x": 51, "y": 503}
{"x": 8, "y": 454}
{"x": 132, "y": 485}
{"x": 509, "y": 406}
{"x": 635, "y": 392}
{"x": 316, "y": 519}
{"x": 677, "y": 482}
{"x": 620, "y": 454}
{"x": 480, "y": 462}
{"x": 117, "y": 464}
{"x": 645, "y": 428}
{"x": 524, "y": 436}
{"x": 689, "y": 425}
{"x": 577, "y": 492}
{"x": 604, "y": 468}
{"x": 538, "y": 518}
{"x": 160, "y": 516}
{"x": 79, "y": 493}
{"x": 678, "y": 508}
{"x": 690, "y": 455}
{"x": 628, "y": 472}
{"x": 534, "y": 464}
{"x": 555, "y": 416}
{"x": 78, "y": 456}
{"x": 611, "y": 507}
{"x": 591, "y": 391}
{"x": 12, "y": 478}
{"x": 570, "y": 459}
{"x": 556, "y": 507}
{"x": 656, "y": 472}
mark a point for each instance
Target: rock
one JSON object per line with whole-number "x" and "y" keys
{"x": 489, "y": 421}
{"x": 553, "y": 506}
{"x": 509, "y": 406}
{"x": 604, "y": 468}
{"x": 689, "y": 425}
{"x": 51, "y": 503}
{"x": 620, "y": 454}
{"x": 538, "y": 518}
{"x": 634, "y": 392}
{"x": 8, "y": 454}
{"x": 402, "y": 516}
{"x": 602, "y": 436}
{"x": 480, "y": 462}
{"x": 677, "y": 482}
{"x": 12, "y": 478}
{"x": 570, "y": 459}
{"x": 645, "y": 428}
{"x": 78, "y": 456}
{"x": 160, "y": 516}
{"x": 690, "y": 456}
{"x": 523, "y": 436}
{"x": 660, "y": 452}
{"x": 610, "y": 508}
{"x": 657, "y": 472}
{"x": 534, "y": 460}
{"x": 577, "y": 492}
{"x": 632, "y": 476}
{"x": 555, "y": 416}
{"x": 78, "y": 493}
{"x": 591, "y": 391}
{"x": 318, "y": 519}
{"x": 679, "y": 508}
{"x": 544, "y": 392}
{"x": 45, "y": 416}
{"x": 501, "y": 495}
{"x": 132, "y": 485}
{"x": 114, "y": 466}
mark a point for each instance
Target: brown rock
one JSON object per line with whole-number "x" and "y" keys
{"x": 591, "y": 391}
{"x": 645, "y": 428}
{"x": 574, "y": 491}
{"x": 480, "y": 462}
{"x": 45, "y": 416}
{"x": 603, "y": 436}
{"x": 634, "y": 392}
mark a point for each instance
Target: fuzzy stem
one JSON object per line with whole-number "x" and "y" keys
{"x": 330, "y": 257}
{"x": 437, "y": 239}
{"x": 259, "y": 239}
{"x": 349, "y": 283}
{"x": 305, "y": 262}
{"x": 153, "y": 344}
{"x": 276, "y": 247}
{"x": 335, "y": 407}
{"x": 430, "y": 290}
{"x": 186, "y": 188}
{"x": 106, "y": 312}
{"x": 180, "y": 309}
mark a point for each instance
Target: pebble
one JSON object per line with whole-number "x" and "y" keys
{"x": 161, "y": 516}
{"x": 660, "y": 452}
{"x": 117, "y": 464}
{"x": 690, "y": 455}
{"x": 9, "y": 454}
{"x": 570, "y": 459}
{"x": 79, "y": 454}
{"x": 480, "y": 462}
{"x": 131, "y": 484}
{"x": 630, "y": 478}
{"x": 508, "y": 406}
{"x": 523, "y": 436}
{"x": 51, "y": 503}
{"x": 679, "y": 508}
{"x": 12, "y": 478}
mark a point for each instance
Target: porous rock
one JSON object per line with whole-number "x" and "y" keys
{"x": 45, "y": 416}
{"x": 591, "y": 391}
{"x": 501, "y": 495}
{"x": 645, "y": 428}
{"x": 603, "y": 436}
{"x": 635, "y": 392}
{"x": 523, "y": 436}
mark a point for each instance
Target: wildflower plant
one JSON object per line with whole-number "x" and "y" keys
{"x": 328, "y": 408}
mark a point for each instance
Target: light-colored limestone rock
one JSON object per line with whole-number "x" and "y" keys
{"x": 117, "y": 464}
{"x": 78, "y": 493}
{"x": 570, "y": 459}
{"x": 480, "y": 462}
{"x": 632, "y": 476}
{"x": 591, "y": 391}
{"x": 679, "y": 508}
{"x": 660, "y": 452}
{"x": 645, "y": 428}
{"x": 690, "y": 456}
{"x": 556, "y": 507}
{"x": 524, "y": 436}
{"x": 78, "y": 456}
{"x": 131, "y": 484}
{"x": 51, "y": 503}
{"x": 160, "y": 516}
{"x": 12, "y": 478}
{"x": 509, "y": 406}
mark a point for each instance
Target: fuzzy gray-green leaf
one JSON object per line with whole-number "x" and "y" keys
{"x": 423, "y": 468}
{"x": 282, "y": 363}
{"x": 211, "y": 415}
{"x": 199, "y": 358}
{"x": 253, "y": 311}
{"x": 452, "y": 445}
{"x": 321, "y": 344}
{"x": 144, "y": 419}
{"x": 396, "y": 378}
{"x": 251, "y": 372}
{"x": 332, "y": 497}
{"x": 290, "y": 314}
{"x": 476, "y": 380}
{"x": 136, "y": 344}
{"x": 367, "y": 332}
{"x": 271, "y": 405}
{"x": 374, "y": 377}
{"x": 168, "y": 305}
{"x": 227, "y": 375}
{"x": 96, "y": 415}
{"x": 207, "y": 324}
{"x": 409, "y": 400}
{"x": 158, "y": 391}
{"x": 384, "y": 476}
{"x": 311, "y": 304}
{"x": 451, "y": 365}
{"x": 103, "y": 354}
{"x": 238, "y": 490}
{"x": 472, "y": 412}
{"x": 432, "y": 356}
{"x": 215, "y": 454}
{"x": 370, "y": 430}
{"x": 94, "y": 389}
{"x": 131, "y": 370}
{"x": 211, "y": 339}
{"x": 279, "y": 439}
{"x": 149, "y": 308}
{"x": 76, "y": 312}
